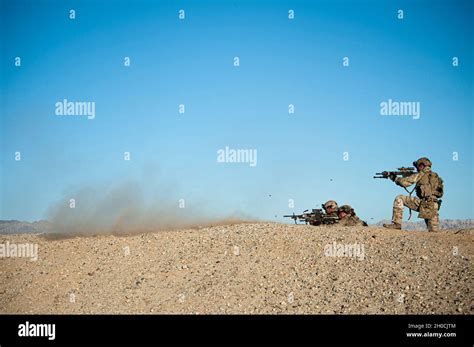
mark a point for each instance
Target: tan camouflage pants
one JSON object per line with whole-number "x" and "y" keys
{"x": 412, "y": 203}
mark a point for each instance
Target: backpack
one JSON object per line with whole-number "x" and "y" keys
{"x": 437, "y": 185}
{"x": 430, "y": 185}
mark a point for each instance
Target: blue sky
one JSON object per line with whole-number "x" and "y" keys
{"x": 190, "y": 62}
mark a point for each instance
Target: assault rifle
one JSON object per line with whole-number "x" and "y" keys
{"x": 315, "y": 217}
{"x": 402, "y": 171}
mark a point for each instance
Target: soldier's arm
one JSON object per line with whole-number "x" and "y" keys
{"x": 407, "y": 181}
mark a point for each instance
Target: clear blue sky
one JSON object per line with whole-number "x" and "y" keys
{"x": 190, "y": 61}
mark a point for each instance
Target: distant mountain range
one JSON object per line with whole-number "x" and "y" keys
{"x": 18, "y": 227}
{"x": 443, "y": 224}
{"x": 43, "y": 226}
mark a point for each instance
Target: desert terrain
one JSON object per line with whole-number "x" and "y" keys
{"x": 248, "y": 268}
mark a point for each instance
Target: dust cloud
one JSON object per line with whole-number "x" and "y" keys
{"x": 128, "y": 208}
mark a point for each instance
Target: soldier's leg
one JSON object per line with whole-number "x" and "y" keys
{"x": 433, "y": 223}
{"x": 399, "y": 203}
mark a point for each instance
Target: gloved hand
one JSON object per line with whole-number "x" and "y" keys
{"x": 393, "y": 177}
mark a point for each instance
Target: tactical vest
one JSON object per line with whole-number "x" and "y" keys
{"x": 430, "y": 186}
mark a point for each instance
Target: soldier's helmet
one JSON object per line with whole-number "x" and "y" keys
{"x": 331, "y": 204}
{"x": 345, "y": 208}
{"x": 425, "y": 161}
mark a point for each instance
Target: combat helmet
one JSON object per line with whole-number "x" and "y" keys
{"x": 331, "y": 204}
{"x": 346, "y": 209}
{"x": 425, "y": 161}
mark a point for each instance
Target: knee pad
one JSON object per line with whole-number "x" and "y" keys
{"x": 398, "y": 202}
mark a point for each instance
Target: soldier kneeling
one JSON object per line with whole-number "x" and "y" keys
{"x": 429, "y": 189}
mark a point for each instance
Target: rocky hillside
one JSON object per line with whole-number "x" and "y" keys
{"x": 242, "y": 268}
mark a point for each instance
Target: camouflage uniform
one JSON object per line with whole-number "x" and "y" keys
{"x": 352, "y": 221}
{"x": 350, "y": 218}
{"x": 414, "y": 203}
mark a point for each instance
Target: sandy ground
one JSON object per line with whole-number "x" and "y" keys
{"x": 244, "y": 268}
